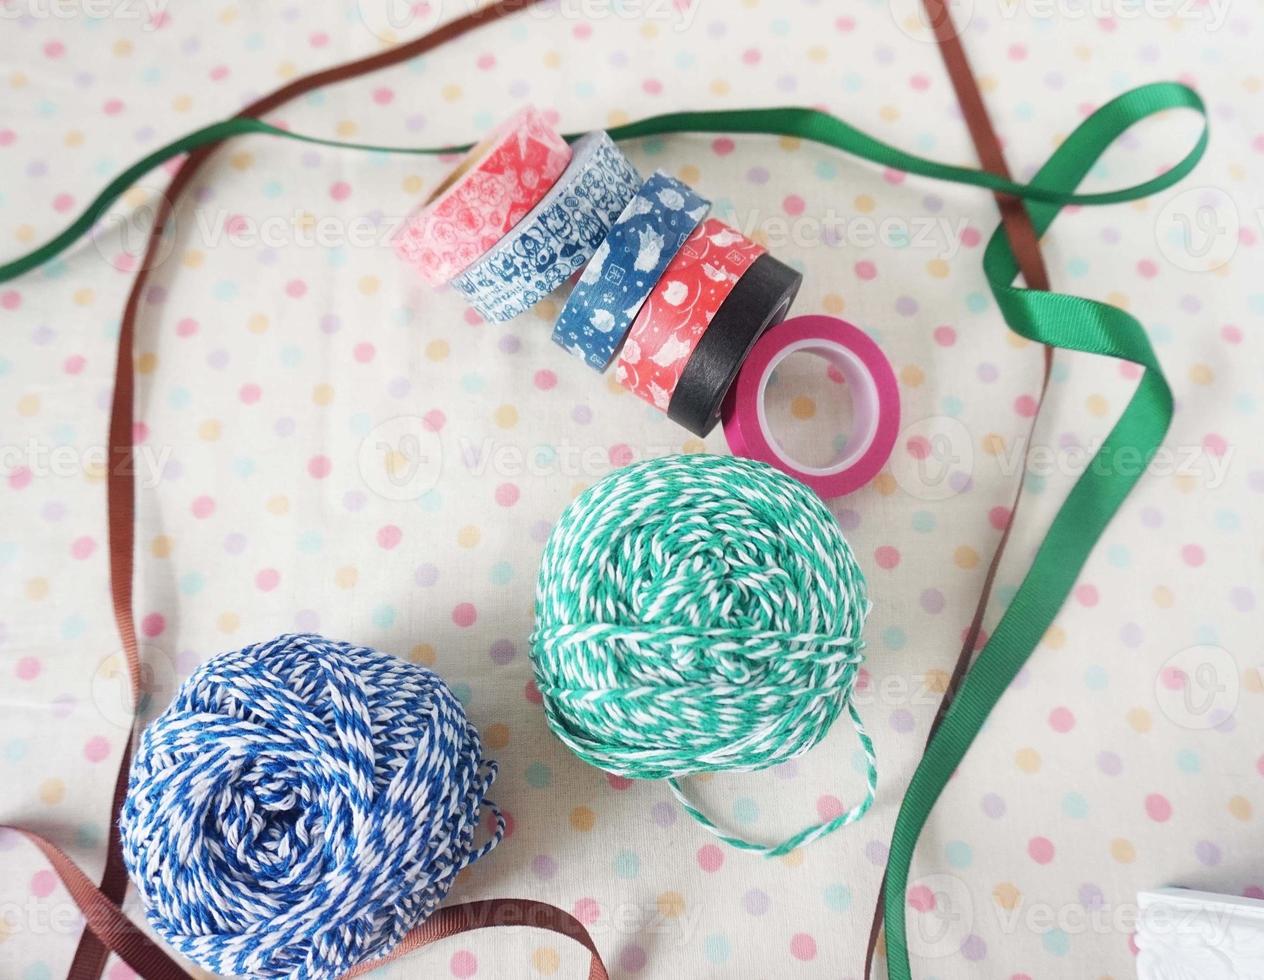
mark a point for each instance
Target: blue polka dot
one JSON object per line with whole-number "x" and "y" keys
{"x": 893, "y": 638}
{"x": 1075, "y": 806}
{"x": 539, "y": 775}
{"x": 462, "y": 692}
{"x": 384, "y": 617}
{"x": 191, "y": 583}
{"x": 73, "y": 627}
{"x": 1095, "y": 678}
{"x": 958, "y": 853}
{"x": 924, "y": 521}
{"x": 1056, "y": 942}
{"x": 838, "y": 898}
{"x": 501, "y": 573}
{"x": 310, "y": 542}
{"x": 1187, "y": 761}
{"x": 717, "y": 948}
{"x": 976, "y": 302}
{"x": 225, "y": 289}
{"x": 627, "y": 864}
{"x": 745, "y": 810}
{"x": 38, "y": 971}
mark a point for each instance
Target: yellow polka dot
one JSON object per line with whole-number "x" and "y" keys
{"x": 346, "y": 577}
{"x": 496, "y": 735}
{"x": 616, "y": 117}
{"x": 965, "y": 557}
{"x": 94, "y": 470}
{"x": 36, "y": 589}
{"x": 936, "y": 681}
{"x": 1097, "y": 405}
{"x": 192, "y": 259}
{"x": 122, "y": 48}
{"x": 506, "y": 416}
{"x": 228, "y": 15}
{"x": 323, "y": 394}
{"x": 1201, "y": 374}
{"x": 885, "y": 483}
{"x": 649, "y": 31}
{"x": 450, "y": 93}
{"x": 1006, "y": 895}
{"x": 228, "y": 622}
{"x": 693, "y": 445}
{"x": 258, "y": 323}
{"x": 28, "y": 405}
{"x": 18, "y": 79}
{"x": 422, "y": 653}
{"x": 368, "y": 285}
{"x": 818, "y": 54}
{"x": 719, "y": 87}
{"x": 1252, "y": 680}
{"x": 241, "y": 161}
{"x": 1163, "y": 597}
{"x": 1015, "y": 341}
{"x": 437, "y": 350}
{"x": 25, "y": 233}
{"x": 182, "y": 103}
{"x": 789, "y": 143}
{"x": 209, "y": 431}
{"x": 546, "y": 310}
{"x": 287, "y": 69}
{"x": 864, "y": 203}
{"x": 146, "y": 362}
{"x": 413, "y": 184}
{"x": 1240, "y": 808}
{"x": 889, "y": 113}
{"x": 1123, "y": 851}
{"x": 1140, "y": 720}
{"x": 347, "y": 128}
{"x": 545, "y": 960}
{"x": 912, "y": 375}
{"x": 987, "y": 83}
{"x": 689, "y": 174}
{"x": 993, "y": 444}
{"x": 1027, "y": 759}
{"x": 1055, "y": 637}
{"x": 794, "y": 859}
{"x": 1117, "y": 299}
{"x": 803, "y": 408}
{"x": 160, "y": 547}
{"x": 74, "y": 138}
{"x": 469, "y": 536}
{"x": 6, "y": 930}
{"x": 83, "y": 297}
{"x": 583, "y": 819}
{"x": 937, "y": 268}
{"x": 833, "y": 303}
{"x": 278, "y": 506}
{"x": 671, "y": 905}
{"x": 52, "y": 791}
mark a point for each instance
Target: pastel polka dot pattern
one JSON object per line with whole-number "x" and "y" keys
{"x": 324, "y": 445}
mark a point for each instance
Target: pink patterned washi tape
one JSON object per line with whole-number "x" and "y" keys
{"x": 498, "y": 182}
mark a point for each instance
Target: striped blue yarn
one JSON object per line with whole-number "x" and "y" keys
{"x": 301, "y": 805}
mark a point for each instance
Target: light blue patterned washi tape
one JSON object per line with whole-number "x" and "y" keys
{"x": 626, "y": 268}
{"x": 557, "y": 236}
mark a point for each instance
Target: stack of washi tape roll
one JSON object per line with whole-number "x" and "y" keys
{"x": 673, "y": 299}
{"x": 677, "y": 301}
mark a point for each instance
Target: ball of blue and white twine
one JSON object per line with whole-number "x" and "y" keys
{"x": 301, "y": 805}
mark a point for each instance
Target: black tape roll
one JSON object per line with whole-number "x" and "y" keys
{"x": 761, "y": 299}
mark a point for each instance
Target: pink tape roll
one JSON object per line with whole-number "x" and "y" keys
{"x": 497, "y": 182}
{"x": 875, "y": 400}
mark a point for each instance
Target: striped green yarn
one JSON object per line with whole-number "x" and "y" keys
{"x": 700, "y": 614}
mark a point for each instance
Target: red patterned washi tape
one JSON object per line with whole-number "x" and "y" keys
{"x": 680, "y": 308}
{"x": 498, "y": 182}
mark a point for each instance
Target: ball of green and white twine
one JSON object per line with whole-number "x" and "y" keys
{"x": 699, "y": 614}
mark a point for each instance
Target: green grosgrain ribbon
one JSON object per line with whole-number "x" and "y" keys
{"x": 1055, "y": 319}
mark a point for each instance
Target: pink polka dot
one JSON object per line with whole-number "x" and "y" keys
{"x": 113, "y": 107}
{"x": 121, "y": 971}
{"x": 219, "y": 73}
{"x": 463, "y": 964}
{"x": 267, "y": 580}
{"x": 1025, "y": 406}
{"x": 153, "y": 624}
{"x": 887, "y": 556}
{"x": 945, "y": 336}
{"x": 340, "y": 190}
{"x": 1061, "y": 720}
{"x": 532, "y": 693}
{"x": 63, "y": 202}
{"x": 1215, "y": 444}
{"x": 140, "y": 432}
{"x": 383, "y": 95}
{"x": 82, "y": 547}
{"x": 43, "y": 883}
{"x": 920, "y": 83}
{"x": 895, "y": 177}
{"x": 582, "y": 31}
{"x": 710, "y": 858}
{"x": 998, "y": 517}
{"x": 1086, "y": 595}
{"x": 96, "y": 748}
{"x": 203, "y": 507}
{"x": 486, "y": 62}
{"x": 722, "y": 146}
{"x": 1017, "y": 52}
{"x": 74, "y": 364}
{"x": 20, "y": 478}
{"x": 545, "y": 379}
{"x": 7, "y": 136}
{"x": 1259, "y": 765}
{"x": 918, "y": 447}
{"x": 921, "y": 898}
{"x": 318, "y": 39}
{"x": 250, "y": 393}
{"x": 751, "y": 56}
{"x": 187, "y": 327}
{"x": 1231, "y": 334}
{"x": 793, "y": 205}
{"x": 319, "y": 467}
{"x": 1193, "y": 555}
{"x": 507, "y": 494}
{"x": 1173, "y": 678}
{"x": 620, "y": 454}
{"x": 971, "y": 237}
{"x": 1040, "y": 850}
{"x": 652, "y": 86}
{"x": 802, "y": 946}
{"x": 828, "y": 807}
{"x": 464, "y": 614}
{"x": 365, "y": 352}
{"x": 434, "y": 420}
{"x": 1147, "y": 269}
{"x": 10, "y": 299}
{"x": 587, "y": 910}
{"x": 388, "y": 536}
{"x": 295, "y": 288}
{"x": 619, "y": 783}
{"x": 28, "y": 668}
{"x": 1158, "y": 808}
{"x": 472, "y": 317}
{"x": 866, "y": 270}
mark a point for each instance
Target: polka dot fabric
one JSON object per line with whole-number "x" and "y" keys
{"x": 327, "y": 444}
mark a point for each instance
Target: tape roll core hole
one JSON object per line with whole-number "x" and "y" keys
{"x": 846, "y": 409}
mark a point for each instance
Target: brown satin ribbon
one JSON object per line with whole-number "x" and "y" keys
{"x": 107, "y": 928}
{"x": 1026, "y": 247}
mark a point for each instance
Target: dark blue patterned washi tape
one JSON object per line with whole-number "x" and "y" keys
{"x": 557, "y": 236}
{"x": 626, "y": 267}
